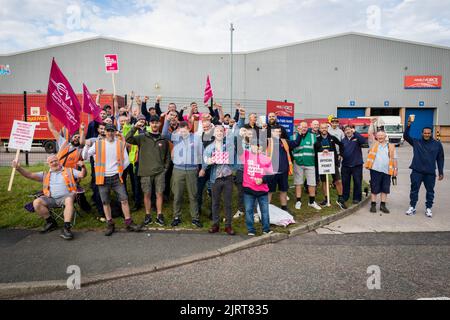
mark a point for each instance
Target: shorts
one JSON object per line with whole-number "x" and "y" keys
{"x": 56, "y": 202}
{"x": 336, "y": 176}
{"x": 380, "y": 182}
{"x": 301, "y": 171}
{"x": 159, "y": 180}
{"x": 114, "y": 184}
{"x": 280, "y": 180}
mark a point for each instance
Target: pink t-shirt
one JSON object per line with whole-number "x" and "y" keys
{"x": 256, "y": 166}
{"x": 186, "y": 117}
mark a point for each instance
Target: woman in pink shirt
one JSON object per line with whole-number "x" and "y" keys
{"x": 257, "y": 174}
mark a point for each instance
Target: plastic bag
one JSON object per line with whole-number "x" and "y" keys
{"x": 278, "y": 216}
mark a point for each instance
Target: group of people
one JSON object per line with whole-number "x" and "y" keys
{"x": 167, "y": 152}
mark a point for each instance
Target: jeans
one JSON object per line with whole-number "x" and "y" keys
{"x": 238, "y": 179}
{"x": 249, "y": 201}
{"x": 429, "y": 180}
{"x": 347, "y": 173}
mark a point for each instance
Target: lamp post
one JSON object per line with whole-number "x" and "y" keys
{"x": 231, "y": 68}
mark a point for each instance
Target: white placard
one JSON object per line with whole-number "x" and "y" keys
{"x": 326, "y": 163}
{"x": 22, "y": 135}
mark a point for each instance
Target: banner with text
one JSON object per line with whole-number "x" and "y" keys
{"x": 285, "y": 114}
{"x": 22, "y": 135}
{"x": 326, "y": 162}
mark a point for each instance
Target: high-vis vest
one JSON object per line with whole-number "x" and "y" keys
{"x": 100, "y": 160}
{"x": 67, "y": 158}
{"x": 69, "y": 179}
{"x": 285, "y": 147}
{"x": 373, "y": 153}
{"x": 304, "y": 154}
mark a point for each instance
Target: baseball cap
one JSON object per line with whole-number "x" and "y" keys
{"x": 141, "y": 117}
{"x": 110, "y": 127}
{"x": 335, "y": 120}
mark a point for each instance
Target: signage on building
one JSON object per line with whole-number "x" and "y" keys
{"x": 111, "y": 63}
{"x": 352, "y": 103}
{"x": 285, "y": 114}
{"x": 423, "y": 82}
{"x": 386, "y": 103}
{"x": 421, "y": 103}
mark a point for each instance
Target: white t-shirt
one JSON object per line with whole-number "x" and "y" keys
{"x": 111, "y": 165}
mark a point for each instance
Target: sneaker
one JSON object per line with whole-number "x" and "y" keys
{"x": 256, "y": 218}
{"x": 298, "y": 205}
{"x": 411, "y": 211}
{"x": 373, "y": 208}
{"x": 175, "y": 222}
{"x": 214, "y": 229}
{"x": 147, "y": 219}
{"x": 287, "y": 198}
{"x": 324, "y": 203}
{"x": 197, "y": 223}
{"x": 66, "y": 234}
{"x": 230, "y": 231}
{"x": 160, "y": 220}
{"x": 384, "y": 209}
{"x": 341, "y": 204}
{"x": 429, "y": 213}
{"x": 251, "y": 234}
{"x": 49, "y": 226}
{"x": 356, "y": 201}
{"x": 268, "y": 232}
{"x": 314, "y": 205}
{"x": 238, "y": 214}
{"x": 132, "y": 227}
{"x": 110, "y": 229}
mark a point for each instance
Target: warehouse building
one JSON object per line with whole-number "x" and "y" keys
{"x": 349, "y": 75}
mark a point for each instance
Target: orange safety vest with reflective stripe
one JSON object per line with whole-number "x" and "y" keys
{"x": 66, "y": 159}
{"x": 286, "y": 148}
{"x": 373, "y": 153}
{"x": 69, "y": 179}
{"x": 100, "y": 160}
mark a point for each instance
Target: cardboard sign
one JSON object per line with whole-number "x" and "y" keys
{"x": 22, "y": 135}
{"x": 221, "y": 157}
{"x": 112, "y": 63}
{"x": 326, "y": 163}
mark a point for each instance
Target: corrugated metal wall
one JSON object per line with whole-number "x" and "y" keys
{"x": 318, "y": 76}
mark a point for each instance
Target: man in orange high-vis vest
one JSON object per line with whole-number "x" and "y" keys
{"x": 59, "y": 189}
{"x": 382, "y": 163}
{"x": 111, "y": 158}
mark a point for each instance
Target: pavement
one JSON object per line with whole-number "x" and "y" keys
{"x": 312, "y": 266}
{"x": 398, "y": 203}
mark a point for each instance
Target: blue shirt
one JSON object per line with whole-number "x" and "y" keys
{"x": 427, "y": 153}
{"x": 381, "y": 163}
{"x": 352, "y": 150}
{"x": 57, "y": 185}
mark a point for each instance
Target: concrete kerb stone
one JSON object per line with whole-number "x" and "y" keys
{"x": 11, "y": 290}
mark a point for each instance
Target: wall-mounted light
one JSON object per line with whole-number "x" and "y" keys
{"x": 157, "y": 86}
{"x": 336, "y": 69}
{"x": 406, "y": 68}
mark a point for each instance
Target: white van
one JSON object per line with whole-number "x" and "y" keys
{"x": 394, "y": 128}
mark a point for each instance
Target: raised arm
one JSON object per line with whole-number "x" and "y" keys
{"x": 51, "y": 126}
{"x": 158, "y": 105}
{"x": 165, "y": 132}
{"x": 406, "y": 134}
{"x": 82, "y": 134}
{"x": 99, "y": 94}
{"x": 25, "y": 173}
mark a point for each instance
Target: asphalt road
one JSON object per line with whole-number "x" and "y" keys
{"x": 312, "y": 266}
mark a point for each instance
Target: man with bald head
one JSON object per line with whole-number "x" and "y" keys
{"x": 59, "y": 188}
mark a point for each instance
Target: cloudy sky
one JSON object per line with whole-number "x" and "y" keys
{"x": 203, "y": 25}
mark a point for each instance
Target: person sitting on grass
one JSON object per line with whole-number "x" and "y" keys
{"x": 59, "y": 189}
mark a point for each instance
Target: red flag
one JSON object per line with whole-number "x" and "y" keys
{"x": 62, "y": 101}
{"x": 208, "y": 91}
{"x": 89, "y": 105}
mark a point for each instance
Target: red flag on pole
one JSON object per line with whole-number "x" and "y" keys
{"x": 89, "y": 105}
{"x": 62, "y": 101}
{"x": 208, "y": 91}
